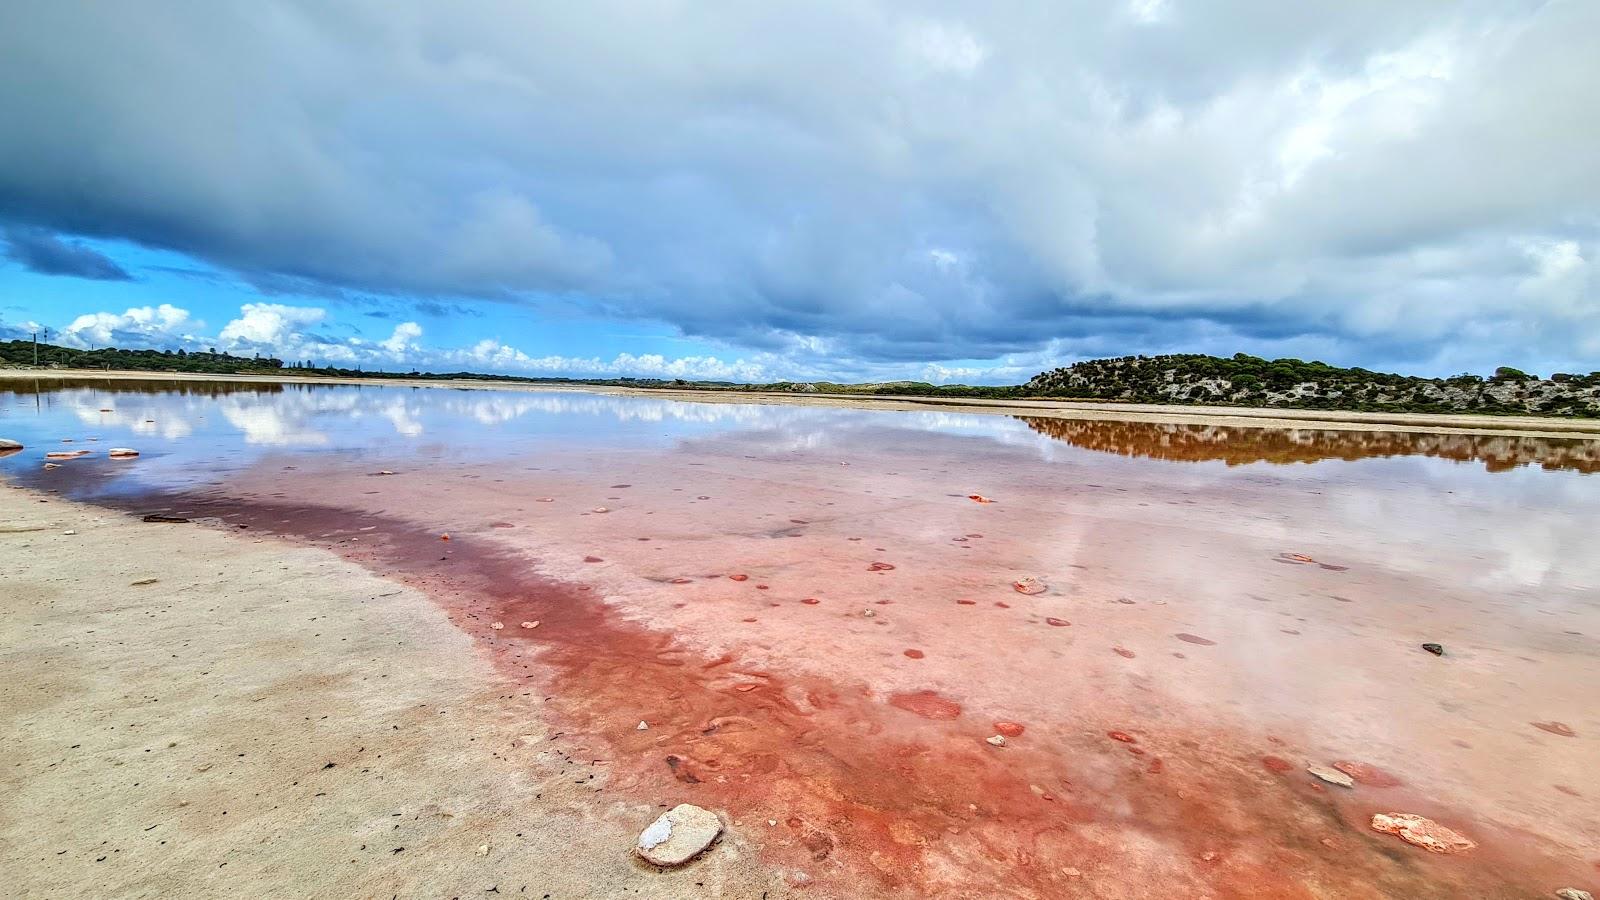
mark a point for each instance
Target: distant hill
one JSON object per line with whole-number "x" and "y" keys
{"x": 1291, "y": 383}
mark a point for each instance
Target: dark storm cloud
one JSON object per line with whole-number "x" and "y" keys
{"x": 37, "y": 250}
{"x": 891, "y": 182}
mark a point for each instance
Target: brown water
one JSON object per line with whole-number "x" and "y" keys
{"x": 822, "y": 628}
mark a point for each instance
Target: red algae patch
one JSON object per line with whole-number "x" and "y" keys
{"x": 914, "y": 654}
{"x": 1559, "y": 728}
{"x": 1122, "y": 736}
{"x": 1276, "y": 764}
{"x": 739, "y": 577}
{"x": 927, "y": 704}
{"x": 881, "y": 567}
{"x": 1367, "y": 774}
{"x": 1010, "y": 729}
{"x": 966, "y": 603}
{"x": 811, "y": 601}
{"x": 1194, "y": 639}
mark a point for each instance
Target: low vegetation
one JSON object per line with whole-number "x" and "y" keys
{"x": 1193, "y": 379}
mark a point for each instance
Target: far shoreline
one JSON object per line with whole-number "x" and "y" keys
{"x": 1247, "y": 417}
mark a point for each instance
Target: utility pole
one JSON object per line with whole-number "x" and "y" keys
{"x": 36, "y": 348}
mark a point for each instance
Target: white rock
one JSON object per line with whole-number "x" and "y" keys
{"x": 678, "y": 835}
{"x": 530, "y": 624}
{"x": 8, "y": 444}
{"x": 995, "y": 740}
{"x": 643, "y": 726}
{"x": 122, "y": 453}
{"x": 1331, "y": 776}
{"x": 1574, "y": 894}
{"x": 69, "y": 531}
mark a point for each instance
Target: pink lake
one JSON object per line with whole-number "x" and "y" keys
{"x": 1207, "y": 611}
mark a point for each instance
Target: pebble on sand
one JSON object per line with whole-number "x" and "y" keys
{"x": 1029, "y": 585}
{"x": 497, "y": 625}
{"x": 995, "y": 740}
{"x": 1424, "y": 832}
{"x": 1574, "y": 894}
{"x": 678, "y": 835}
{"x": 530, "y": 624}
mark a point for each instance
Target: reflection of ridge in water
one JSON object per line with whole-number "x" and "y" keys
{"x": 1237, "y": 445}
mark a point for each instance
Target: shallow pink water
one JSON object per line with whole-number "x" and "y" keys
{"x": 1203, "y": 634}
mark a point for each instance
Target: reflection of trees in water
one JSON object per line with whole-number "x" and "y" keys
{"x": 143, "y": 386}
{"x": 1236, "y": 445}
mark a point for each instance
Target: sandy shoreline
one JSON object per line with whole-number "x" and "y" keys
{"x": 270, "y": 720}
{"x": 1527, "y": 426}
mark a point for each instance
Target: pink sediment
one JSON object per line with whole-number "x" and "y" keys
{"x": 876, "y": 769}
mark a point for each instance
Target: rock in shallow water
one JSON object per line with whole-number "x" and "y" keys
{"x": 1425, "y": 833}
{"x": 1331, "y": 776}
{"x": 679, "y": 835}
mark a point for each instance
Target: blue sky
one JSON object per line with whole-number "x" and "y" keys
{"x": 842, "y": 190}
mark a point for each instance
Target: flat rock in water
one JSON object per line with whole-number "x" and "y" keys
{"x": 679, "y": 835}
{"x": 1425, "y": 833}
{"x": 1332, "y": 776}
{"x": 8, "y": 444}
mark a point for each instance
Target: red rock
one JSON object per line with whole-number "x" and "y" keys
{"x": 739, "y": 577}
{"x": 1059, "y": 623}
{"x": 1195, "y": 639}
{"x": 1369, "y": 775}
{"x": 1010, "y": 729}
{"x": 914, "y": 654}
{"x": 1122, "y": 736}
{"x": 979, "y": 498}
{"x": 811, "y": 601}
{"x": 966, "y": 603}
{"x": 881, "y": 567}
{"x": 1124, "y": 652}
{"x": 1029, "y": 585}
{"x": 592, "y": 559}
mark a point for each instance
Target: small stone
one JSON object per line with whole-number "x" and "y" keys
{"x": 1029, "y": 585}
{"x": 497, "y": 625}
{"x": 1574, "y": 894}
{"x": 69, "y": 531}
{"x": 678, "y": 835}
{"x": 122, "y": 453}
{"x": 995, "y": 740}
{"x": 483, "y": 849}
{"x": 1070, "y": 872}
{"x": 772, "y": 823}
{"x": 643, "y": 726}
{"x": 1435, "y": 649}
{"x": 530, "y": 624}
{"x": 1424, "y": 832}
{"x": 8, "y": 444}
{"x": 868, "y": 614}
{"x": 1332, "y": 776}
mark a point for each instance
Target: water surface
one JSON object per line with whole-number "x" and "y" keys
{"x": 823, "y": 627}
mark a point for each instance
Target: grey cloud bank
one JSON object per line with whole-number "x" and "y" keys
{"x": 1406, "y": 185}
